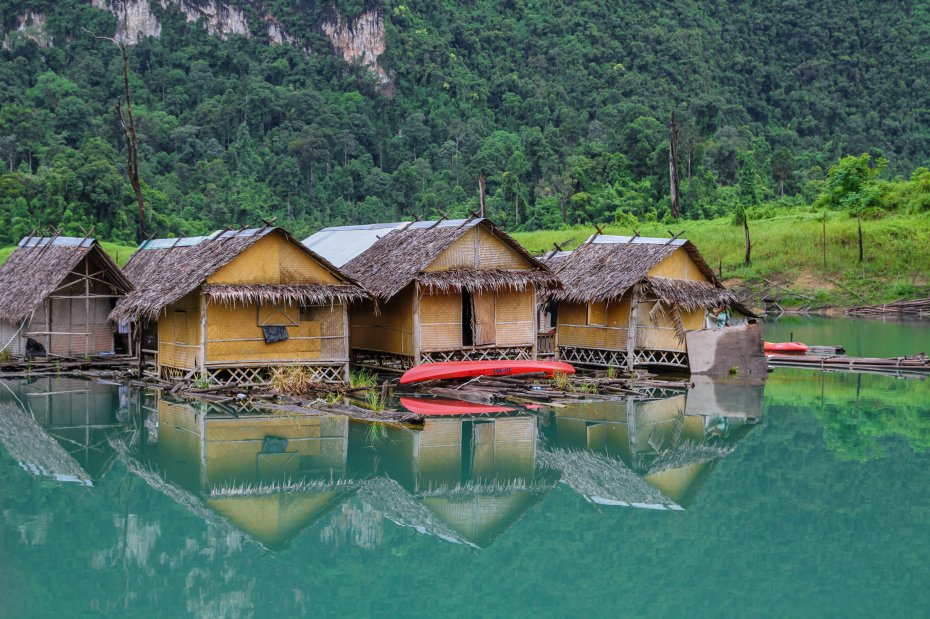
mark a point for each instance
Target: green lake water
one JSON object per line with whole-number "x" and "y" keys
{"x": 805, "y": 498}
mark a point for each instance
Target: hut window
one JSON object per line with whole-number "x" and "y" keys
{"x": 597, "y": 314}
{"x": 278, "y": 315}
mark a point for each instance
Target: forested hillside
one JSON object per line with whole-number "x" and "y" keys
{"x": 260, "y": 109}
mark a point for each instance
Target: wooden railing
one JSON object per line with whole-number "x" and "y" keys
{"x": 545, "y": 343}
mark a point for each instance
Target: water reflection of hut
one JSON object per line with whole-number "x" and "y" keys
{"x": 456, "y": 289}
{"x": 61, "y": 427}
{"x": 670, "y": 446}
{"x": 270, "y": 476}
{"x": 235, "y": 303}
{"x": 477, "y": 476}
{"x": 55, "y": 297}
{"x": 631, "y": 301}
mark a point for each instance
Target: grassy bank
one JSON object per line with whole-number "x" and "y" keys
{"x": 788, "y": 249}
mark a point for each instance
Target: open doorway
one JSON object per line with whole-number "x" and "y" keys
{"x": 468, "y": 319}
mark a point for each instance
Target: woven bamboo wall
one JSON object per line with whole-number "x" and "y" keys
{"x": 10, "y": 333}
{"x": 659, "y": 334}
{"x": 678, "y": 265}
{"x": 390, "y": 331}
{"x": 516, "y": 318}
{"x": 478, "y": 249}
{"x": 179, "y": 333}
{"x": 439, "y": 457}
{"x": 233, "y": 445}
{"x": 273, "y": 260}
{"x": 574, "y": 331}
{"x": 440, "y": 321}
{"x": 233, "y": 336}
{"x": 484, "y": 311}
{"x": 514, "y": 447}
{"x": 179, "y": 444}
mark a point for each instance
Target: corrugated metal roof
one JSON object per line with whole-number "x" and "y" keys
{"x": 606, "y": 239}
{"x": 190, "y": 241}
{"x": 341, "y": 244}
{"x": 58, "y": 241}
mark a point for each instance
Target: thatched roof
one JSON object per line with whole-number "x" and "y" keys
{"x": 36, "y": 451}
{"x": 603, "y": 480}
{"x": 165, "y": 270}
{"x": 40, "y": 265}
{"x": 606, "y": 267}
{"x": 385, "y": 258}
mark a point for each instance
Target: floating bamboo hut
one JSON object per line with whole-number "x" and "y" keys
{"x": 55, "y": 297}
{"x": 632, "y": 302}
{"x": 442, "y": 290}
{"x": 231, "y": 306}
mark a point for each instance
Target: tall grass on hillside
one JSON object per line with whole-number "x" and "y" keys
{"x": 788, "y": 248}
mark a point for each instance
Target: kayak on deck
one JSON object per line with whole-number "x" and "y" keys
{"x": 469, "y": 369}
{"x": 784, "y": 347}
{"x": 446, "y": 406}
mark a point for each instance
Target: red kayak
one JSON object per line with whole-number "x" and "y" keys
{"x": 442, "y": 406}
{"x": 469, "y": 369}
{"x": 784, "y": 347}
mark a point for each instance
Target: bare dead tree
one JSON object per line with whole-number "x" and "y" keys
{"x": 673, "y": 166}
{"x": 128, "y": 123}
{"x": 481, "y": 193}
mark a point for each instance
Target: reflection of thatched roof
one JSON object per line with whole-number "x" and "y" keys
{"x": 388, "y": 497}
{"x": 164, "y": 270}
{"x": 174, "y": 492}
{"x": 40, "y": 265}
{"x": 604, "y": 480}
{"x": 401, "y": 253}
{"x": 34, "y": 450}
{"x": 688, "y": 453}
{"x": 606, "y": 268}
{"x": 480, "y": 511}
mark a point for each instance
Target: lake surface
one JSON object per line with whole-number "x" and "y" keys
{"x": 803, "y": 499}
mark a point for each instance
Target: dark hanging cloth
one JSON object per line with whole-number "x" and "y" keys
{"x": 274, "y": 334}
{"x": 34, "y": 349}
{"x": 274, "y": 445}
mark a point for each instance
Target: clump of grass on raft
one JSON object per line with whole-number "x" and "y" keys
{"x": 294, "y": 380}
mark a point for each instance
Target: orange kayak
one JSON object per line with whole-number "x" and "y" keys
{"x": 470, "y": 369}
{"x": 784, "y": 347}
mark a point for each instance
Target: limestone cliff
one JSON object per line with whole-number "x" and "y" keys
{"x": 360, "y": 40}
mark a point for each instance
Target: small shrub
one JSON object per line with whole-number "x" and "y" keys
{"x": 362, "y": 378}
{"x": 293, "y": 380}
{"x": 612, "y": 371}
{"x": 734, "y": 371}
{"x": 5, "y": 355}
{"x": 560, "y": 380}
{"x": 374, "y": 402}
{"x": 202, "y": 381}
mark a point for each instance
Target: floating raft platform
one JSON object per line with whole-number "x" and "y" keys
{"x": 915, "y": 365}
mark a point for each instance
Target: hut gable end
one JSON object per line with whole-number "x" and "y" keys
{"x": 478, "y": 249}
{"x": 273, "y": 260}
{"x": 680, "y": 265}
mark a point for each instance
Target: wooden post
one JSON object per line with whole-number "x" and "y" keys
{"x": 87, "y": 328}
{"x": 631, "y": 329}
{"x": 416, "y": 323}
{"x": 345, "y": 339}
{"x": 203, "y": 331}
{"x": 535, "y": 322}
